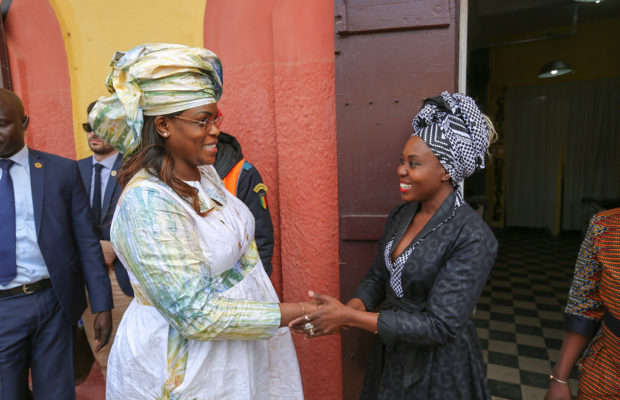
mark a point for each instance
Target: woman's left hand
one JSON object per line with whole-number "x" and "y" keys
{"x": 330, "y": 317}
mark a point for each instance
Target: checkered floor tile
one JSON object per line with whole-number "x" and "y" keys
{"x": 519, "y": 315}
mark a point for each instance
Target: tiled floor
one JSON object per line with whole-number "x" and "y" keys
{"x": 519, "y": 315}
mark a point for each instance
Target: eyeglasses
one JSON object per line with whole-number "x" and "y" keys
{"x": 205, "y": 124}
{"x": 87, "y": 128}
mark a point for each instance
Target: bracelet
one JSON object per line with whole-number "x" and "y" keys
{"x": 553, "y": 378}
{"x": 303, "y": 310}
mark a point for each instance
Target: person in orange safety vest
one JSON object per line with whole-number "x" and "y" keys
{"x": 243, "y": 180}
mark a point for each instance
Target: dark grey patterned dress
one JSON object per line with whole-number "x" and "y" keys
{"x": 426, "y": 346}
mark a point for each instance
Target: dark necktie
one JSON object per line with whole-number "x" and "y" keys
{"x": 8, "y": 262}
{"x": 97, "y": 194}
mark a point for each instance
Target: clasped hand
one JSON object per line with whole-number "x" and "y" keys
{"x": 330, "y": 317}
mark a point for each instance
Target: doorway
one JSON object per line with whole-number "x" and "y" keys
{"x": 556, "y": 163}
{"x": 390, "y": 55}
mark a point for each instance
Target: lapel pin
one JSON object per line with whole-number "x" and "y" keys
{"x": 38, "y": 165}
{"x": 113, "y": 173}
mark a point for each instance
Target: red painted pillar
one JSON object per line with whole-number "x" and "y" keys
{"x": 306, "y": 136}
{"x": 279, "y": 100}
{"x": 242, "y": 38}
{"x": 40, "y": 75}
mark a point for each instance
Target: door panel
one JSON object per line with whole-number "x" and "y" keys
{"x": 372, "y": 15}
{"x": 390, "y": 55}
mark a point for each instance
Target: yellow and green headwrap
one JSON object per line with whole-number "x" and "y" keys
{"x": 153, "y": 79}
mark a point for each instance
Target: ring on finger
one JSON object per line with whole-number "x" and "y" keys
{"x": 311, "y": 332}
{"x": 307, "y": 317}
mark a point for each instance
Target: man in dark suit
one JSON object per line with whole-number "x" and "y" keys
{"x": 99, "y": 176}
{"x": 48, "y": 251}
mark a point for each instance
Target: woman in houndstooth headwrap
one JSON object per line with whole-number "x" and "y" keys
{"x": 431, "y": 266}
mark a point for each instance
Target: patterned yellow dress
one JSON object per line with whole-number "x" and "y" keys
{"x": 205, "y": 320}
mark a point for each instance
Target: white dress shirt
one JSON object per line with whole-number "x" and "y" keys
{"x": 30, "y": 264}
{"x": 108, "y": 165}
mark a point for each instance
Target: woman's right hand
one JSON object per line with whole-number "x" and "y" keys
{"x": 558, "y": 391}
{"x": 325, "y": 320}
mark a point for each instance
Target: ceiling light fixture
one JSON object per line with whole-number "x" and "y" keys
{"x": 554, "y": 68}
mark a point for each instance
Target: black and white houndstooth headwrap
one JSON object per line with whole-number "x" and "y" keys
{"x": 453, "y": 128}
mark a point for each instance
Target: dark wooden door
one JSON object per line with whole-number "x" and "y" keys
{"x": 390, "y": 55}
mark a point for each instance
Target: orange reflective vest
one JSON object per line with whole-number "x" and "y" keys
{"x": 231, "y": 180}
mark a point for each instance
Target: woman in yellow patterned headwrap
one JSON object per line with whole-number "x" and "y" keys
{"x": 206, "y": 322}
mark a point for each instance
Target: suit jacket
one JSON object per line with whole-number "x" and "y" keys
{"x": 110, "y": 199}
{"x": 427, "y": 346}
{"x": 66, "y": 235}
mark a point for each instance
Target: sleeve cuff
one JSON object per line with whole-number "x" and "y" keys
{"x": 584, "y": 326}
{"x": 365, "y": 298}
{"x": 386, "y": 326}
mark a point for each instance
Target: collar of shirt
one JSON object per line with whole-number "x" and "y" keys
{"x": 21, "y": 157}
{"x": 108, "y": 162}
